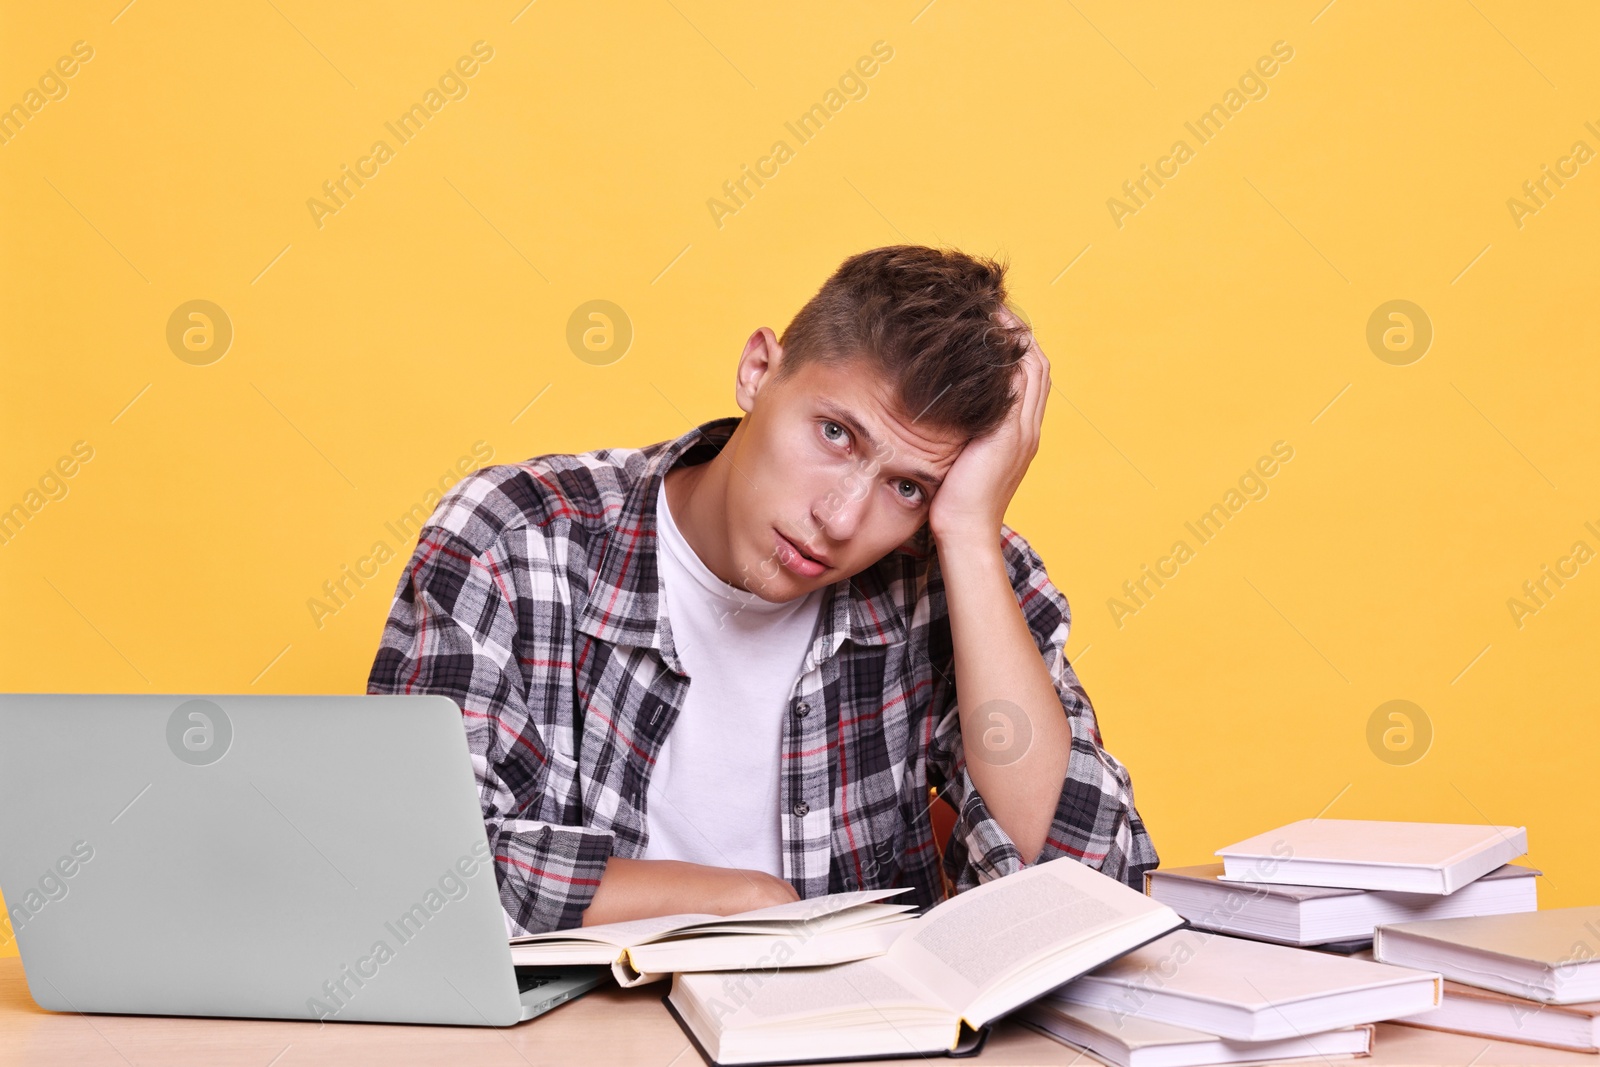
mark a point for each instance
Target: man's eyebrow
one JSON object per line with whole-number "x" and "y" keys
{"x": 851, "y": 423}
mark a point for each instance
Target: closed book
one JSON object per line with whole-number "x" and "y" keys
{"x": 835, "y": 928}
{"x": 1250, "y": 990}
{"x": 1547, "y": 955}
{"x": 1325, "y": 915}
{"x": 945, "y": 978}
{"x": 1130, "y": 1041}
{"x": 1485, "y": 1013}
{"x": 1406, "y": 857}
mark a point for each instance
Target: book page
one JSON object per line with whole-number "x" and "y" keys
{"x": 747, "y": 998}
{"x": 762, "y": 954}
{"x": 975, "y": 938}
{"x": 858, "y": 917}
{"x": 812, "y": 907}
{"x": 640, "y": 931}
{"x": 623, "y": 935}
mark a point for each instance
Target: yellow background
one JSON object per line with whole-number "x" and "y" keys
{"x": 1229, "y": 313}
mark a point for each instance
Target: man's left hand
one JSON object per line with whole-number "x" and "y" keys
{"x": 972, "y": 499}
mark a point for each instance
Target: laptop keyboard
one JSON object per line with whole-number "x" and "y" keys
{"x": 533, "y": 979}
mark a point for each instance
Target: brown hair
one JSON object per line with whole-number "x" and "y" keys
{"x": 924, "y": 317}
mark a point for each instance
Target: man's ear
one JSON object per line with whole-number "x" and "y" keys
{"x": 761, "y": 359}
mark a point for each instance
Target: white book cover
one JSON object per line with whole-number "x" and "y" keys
{"x": 1250, "y": 990}
{"x": 1486, "y": 1013}
{"x": 1416, "y": 857}
{"x": 1134, "y": 1042}
{"x": 1548, "y": 955}
{"x": 1320, "y": 915}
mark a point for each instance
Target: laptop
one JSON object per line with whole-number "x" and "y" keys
{"x": 284, "y": 857}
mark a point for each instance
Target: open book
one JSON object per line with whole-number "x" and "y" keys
{"x": 944, "y": 978}
{"x": 830, "y": 929}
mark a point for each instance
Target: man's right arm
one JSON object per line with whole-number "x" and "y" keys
{"x": 452, "y": 630}
{"x": 637, "y": 889}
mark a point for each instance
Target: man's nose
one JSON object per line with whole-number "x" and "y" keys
{"x": 839, "y": 513}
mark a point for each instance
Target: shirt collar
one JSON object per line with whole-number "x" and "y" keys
{"x": 626, "y": 607}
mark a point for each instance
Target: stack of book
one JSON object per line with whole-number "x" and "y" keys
{"x": 1209, "y": 966}
{"x": 1194, "y": 998}
{"x": 1331, "y": 882}
{"x": 1250, "y": 981}
{"x": 1532, "y": 977}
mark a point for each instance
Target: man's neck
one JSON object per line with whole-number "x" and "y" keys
{"x": 698, "y": 498}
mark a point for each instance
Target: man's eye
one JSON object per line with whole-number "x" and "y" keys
{"x": 828, "y": 429}
{"x": 908, "y": 489}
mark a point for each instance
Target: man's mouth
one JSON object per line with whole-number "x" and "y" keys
{"x": 799, "y": 559}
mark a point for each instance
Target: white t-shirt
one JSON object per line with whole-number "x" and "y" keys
{"x": 713, "y": 795}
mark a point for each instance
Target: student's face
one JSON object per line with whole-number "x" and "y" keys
{"x": 826, "y": 466}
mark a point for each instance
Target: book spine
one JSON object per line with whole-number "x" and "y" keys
{"x": 1521, "y": 834}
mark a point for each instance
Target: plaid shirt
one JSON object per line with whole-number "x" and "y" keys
{"x": 533, "y": 600}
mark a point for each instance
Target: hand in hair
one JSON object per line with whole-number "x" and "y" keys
{"x": 972, "y": 500}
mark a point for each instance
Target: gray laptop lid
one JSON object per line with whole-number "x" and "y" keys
{"x": 268, "y": 856}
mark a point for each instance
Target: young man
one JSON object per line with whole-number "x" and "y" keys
{"x": 723, "y": 671}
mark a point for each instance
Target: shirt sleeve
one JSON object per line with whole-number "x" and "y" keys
{"x": 1095, "y": 820}
{"x": 452, "y": 631}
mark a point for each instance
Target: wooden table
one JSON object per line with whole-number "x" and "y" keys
{"x": 608, "y": 1027}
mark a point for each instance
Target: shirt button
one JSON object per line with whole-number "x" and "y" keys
{"x": 801, "y": 808}
{"x": 802, "y": 710}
